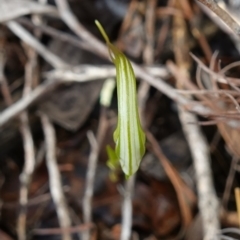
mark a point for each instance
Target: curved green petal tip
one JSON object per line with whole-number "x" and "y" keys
{"x": 101, "y": 29}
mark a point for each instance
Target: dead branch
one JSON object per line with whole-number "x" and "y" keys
{"x": 87, "y": 72}
{"x": 55, "y": 177}
{"x": 208, "y": 203}
{"x": 224, "y": 16}
{"x": 72, "y": 22}
{"x": 91, "y": 172}
{"x": 16, "y": 108}
{"x": 28, "y": 38}
{"x": 65, "y": 37}
{"x": 26, "y": 175}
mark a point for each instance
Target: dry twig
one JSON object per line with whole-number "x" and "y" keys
{"x": 26, "y": 37}
{"x": 16, "y": 108}
{"x": 91, "y": 171}
{"x": 185, "y": 195}
{"x": 55, "y": 177}
{"x": 65, "y": 37}
{"x": 227, "y": 19}
{"x": 26, "y": 175}
{"x": 208, "y": 204}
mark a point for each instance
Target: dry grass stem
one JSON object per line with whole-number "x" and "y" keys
{"x": 185, "y": 195}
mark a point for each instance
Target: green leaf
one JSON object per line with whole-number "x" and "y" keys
{"x": 129, "y": 135}
{"x": 112, "y": 163}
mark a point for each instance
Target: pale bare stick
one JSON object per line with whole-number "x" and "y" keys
{"x": 222, "y": 25}
{"x": 38, "y": 20}
{"x": 127, "y": 209}
{"x": 63, "y": 36}
{"x": 207, "y": 200}
{"x": 87, "y": 72}
{"x": 26, "y": 175}
{"x": 16, "y": 108}
{"x": 72, "y": 22}
{"x": 91, "y": 172}
{"x": 28, "y": 38}
{"x": 227, "y": 19}
{"x": 207, "y": 92}
{"x": 55, "y": 184}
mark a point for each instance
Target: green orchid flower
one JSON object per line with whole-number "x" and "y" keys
{"x": 129, "y": 136}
